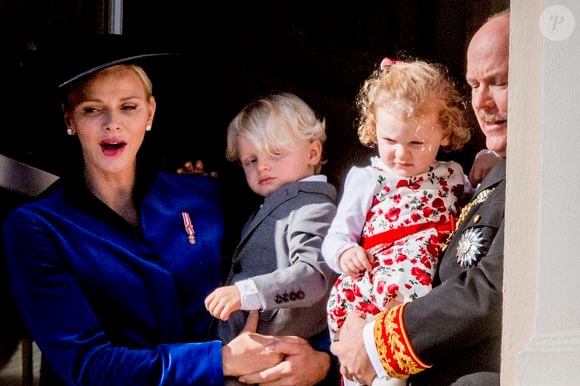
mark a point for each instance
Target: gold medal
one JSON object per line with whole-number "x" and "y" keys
{"x": 480, "y": 198}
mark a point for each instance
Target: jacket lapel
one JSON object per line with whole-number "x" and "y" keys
{"x": 271, "y": 202}
{"x": 278, "y": 198}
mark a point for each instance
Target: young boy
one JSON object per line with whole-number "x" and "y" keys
{"x": 277, "y": 267}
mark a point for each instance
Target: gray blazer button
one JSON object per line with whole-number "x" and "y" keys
{"x": 293, "y": 296}
{"x": 300, "y": 295}
{"x": 278, "y": 299}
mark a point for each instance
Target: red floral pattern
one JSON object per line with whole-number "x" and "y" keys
{"x": 403, "y": 270}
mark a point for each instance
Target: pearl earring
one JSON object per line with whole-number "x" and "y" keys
{"x": 148, "y": 128}
{"x": 69, "y": 131}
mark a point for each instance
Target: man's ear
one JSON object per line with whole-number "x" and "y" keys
{"x": 445, "y": 140}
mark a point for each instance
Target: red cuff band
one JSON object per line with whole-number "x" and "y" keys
{"x": 395, "y": 350}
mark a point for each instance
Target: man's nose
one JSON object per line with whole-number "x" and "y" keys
{"x": 482, "y": 98}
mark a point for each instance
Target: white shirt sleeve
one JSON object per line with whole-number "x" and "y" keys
{"x": 249, "y": 296}
{"x": 369, "y": 341}
{"x": 346, "y": 228}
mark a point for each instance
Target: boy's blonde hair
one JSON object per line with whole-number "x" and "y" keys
{"x": 274, "y": 124}
{"x": 413, "y": 88}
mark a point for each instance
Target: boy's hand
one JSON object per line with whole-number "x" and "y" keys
{"x": 223, "y": 301}
{"x": 355, "y": 260}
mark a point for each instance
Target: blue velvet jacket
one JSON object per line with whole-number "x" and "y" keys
{"x": 113, "y": 304}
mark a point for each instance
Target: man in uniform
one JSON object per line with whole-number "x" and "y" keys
{"x": 452, "y": 335}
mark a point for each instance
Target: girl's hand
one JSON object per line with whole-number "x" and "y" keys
{"x": 355, "y": 260}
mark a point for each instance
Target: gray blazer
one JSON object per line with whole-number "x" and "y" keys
{"x": 280, "y": 250}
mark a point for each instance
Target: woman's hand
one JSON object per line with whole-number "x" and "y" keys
{"x": 248, "y": 352}
{"x": 301, "y": 366}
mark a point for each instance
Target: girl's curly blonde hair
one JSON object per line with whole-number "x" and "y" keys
{"x": 414, "y": 88}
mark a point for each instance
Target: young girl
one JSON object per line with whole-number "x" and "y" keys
{"x": 396, "y": 213}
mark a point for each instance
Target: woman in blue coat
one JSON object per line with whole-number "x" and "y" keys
{"x": 111, "y": 265}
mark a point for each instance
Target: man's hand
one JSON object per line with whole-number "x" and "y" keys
{"x": 247, "y": 352}
{"x": 302, "y": 365}
{"x": 187, "y": 168}
{"x": 355, "y": 260}
{"x": 350, "y": 350}
{"x": 484, "y": 161}
{"x": 223, "y": 301}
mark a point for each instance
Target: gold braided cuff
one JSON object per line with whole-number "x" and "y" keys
{"x": 395, "y": 350}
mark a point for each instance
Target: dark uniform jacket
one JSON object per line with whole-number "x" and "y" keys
{"x": 457, "y": 326}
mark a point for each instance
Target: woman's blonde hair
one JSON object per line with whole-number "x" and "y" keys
{"x": 73, "y": 93}
{"x": 274, "y": 124}
{"x": 414, "y": 88}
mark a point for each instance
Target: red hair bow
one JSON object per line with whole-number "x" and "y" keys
{"x": 388, "y": 62}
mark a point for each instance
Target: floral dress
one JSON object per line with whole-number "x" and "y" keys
{"x": 407, "y": 223}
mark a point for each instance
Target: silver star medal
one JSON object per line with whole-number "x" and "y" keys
{"x": 468, "y": 248}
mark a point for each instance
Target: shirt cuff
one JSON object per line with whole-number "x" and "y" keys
{"x": 373, "y": 354}
{"x": 249, "y": 296}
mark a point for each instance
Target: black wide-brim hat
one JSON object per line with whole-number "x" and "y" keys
{"x": 60, "y": 62}
{"x": 67, "y": 61}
